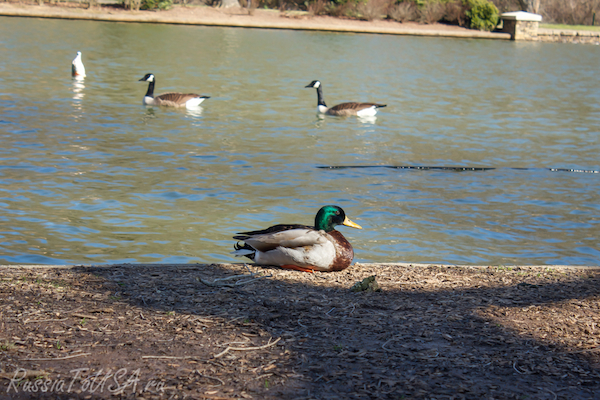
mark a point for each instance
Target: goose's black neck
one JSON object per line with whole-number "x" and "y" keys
{"x": 150, "y": 92}
{"x": 321, "y": 102}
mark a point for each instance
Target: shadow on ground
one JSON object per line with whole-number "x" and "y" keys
{"x": 432, "y": 332}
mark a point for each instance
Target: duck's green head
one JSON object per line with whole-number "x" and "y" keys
{"x": 329, "y": 217}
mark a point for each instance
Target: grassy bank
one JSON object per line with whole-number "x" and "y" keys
{"x": 571, "y": 27}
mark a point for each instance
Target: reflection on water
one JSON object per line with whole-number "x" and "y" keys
{"x": 367, "y": 119}
{"x": 93, "y": 176}
{"x": 78, "y": 87}
{"x": 194, "y": 111}
{"x": 362, "y": 119}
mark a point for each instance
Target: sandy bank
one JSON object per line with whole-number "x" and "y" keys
{"x": 236, "y": 17}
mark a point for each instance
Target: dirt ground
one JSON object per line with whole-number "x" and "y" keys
{"x": 246, "y": 332}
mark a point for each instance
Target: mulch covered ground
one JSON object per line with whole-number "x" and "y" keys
{"x": 184, "y": 331}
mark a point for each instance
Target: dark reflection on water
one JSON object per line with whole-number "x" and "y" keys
{"x": 89, "y": 175}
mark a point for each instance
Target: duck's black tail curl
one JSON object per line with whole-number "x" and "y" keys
{"x": 244, "y": 250}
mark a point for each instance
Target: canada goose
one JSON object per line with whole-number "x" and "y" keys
{"x": 360, "y": 109}
{"x": 77, "y": 68}
{"x": 171, "y": 99}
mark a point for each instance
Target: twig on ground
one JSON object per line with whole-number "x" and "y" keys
{"x": 229, "y": 343}
{"x": 353, "y": 308}
{"x": 58, "y": 358}
{"x": 515, "y": 368}
{"x": 548, "y": 390}
{"x": 247, "y": 348}
{"x": 211, "y": 377}
{"x": 170, "y": 357}
{"x": 86, "y": 316}
{"x": 31, "y": 321}
{"x": 242, "y": 279}
{"x": 409, "y": 283}
{"x": 394, "y": 338}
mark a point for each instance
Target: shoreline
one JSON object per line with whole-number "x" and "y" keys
{"x": 239, "y": 18}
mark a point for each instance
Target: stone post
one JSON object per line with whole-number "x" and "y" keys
{"x": 521, "y": 25}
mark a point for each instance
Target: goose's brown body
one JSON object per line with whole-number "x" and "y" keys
{"x": 170, "y": 99}
{"x": 344, "y": 109}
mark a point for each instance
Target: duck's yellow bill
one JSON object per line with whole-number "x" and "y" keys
{"x": 347, "y": 222}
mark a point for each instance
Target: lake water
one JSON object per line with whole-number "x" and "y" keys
{"x": 90, "y": 175}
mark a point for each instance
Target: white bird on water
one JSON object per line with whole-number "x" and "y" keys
{"x": 77, "y": 68}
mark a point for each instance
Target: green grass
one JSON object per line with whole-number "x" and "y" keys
{"x": 571, "y": 27}
{"x": 7, "y": 346}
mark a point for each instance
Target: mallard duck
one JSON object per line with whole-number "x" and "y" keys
{"x": 172, "y": 99}
{"x": 301, "y": 247}
{"x": 77, "y": 68}
{"x": 360, "y": 109}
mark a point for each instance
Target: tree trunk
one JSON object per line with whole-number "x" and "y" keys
{"x": 532, "y": 6}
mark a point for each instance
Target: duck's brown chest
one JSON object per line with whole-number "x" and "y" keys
{"x": 343, "y": 250}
